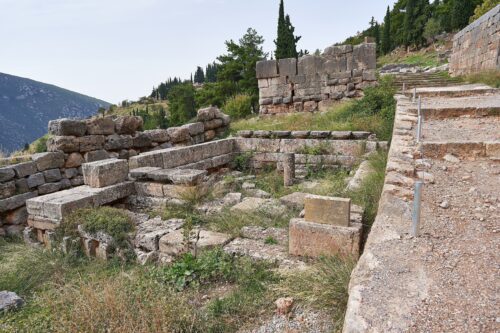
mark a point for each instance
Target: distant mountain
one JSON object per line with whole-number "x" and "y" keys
{"x": 26, "y": 106}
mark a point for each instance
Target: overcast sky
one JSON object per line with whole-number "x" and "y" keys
{"x": 119, "y": 49}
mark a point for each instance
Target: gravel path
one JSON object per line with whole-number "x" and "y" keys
{"x": 461, "y": 251}
{"x": 462, "y": 129}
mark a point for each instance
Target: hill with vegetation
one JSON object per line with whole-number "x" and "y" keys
{"x": 26, "y": 106}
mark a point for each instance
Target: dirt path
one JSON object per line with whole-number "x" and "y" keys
{"x": 462, "y": 248}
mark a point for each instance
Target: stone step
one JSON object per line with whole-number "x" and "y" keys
{"x": 57, "y": 206}
{"x": 454, "y": 91}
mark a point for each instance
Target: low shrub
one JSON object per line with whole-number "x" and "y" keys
{"x": 239, "y": 106}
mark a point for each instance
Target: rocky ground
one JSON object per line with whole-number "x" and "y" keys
{"x": 461, "y": 129}
{"x": 460, "y": 225}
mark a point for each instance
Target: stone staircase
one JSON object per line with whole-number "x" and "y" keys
{"x": 417, "y": 80}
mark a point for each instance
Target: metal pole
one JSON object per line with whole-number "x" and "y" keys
{"x": 420, "y": 119}
{"x": 417, "y": 200}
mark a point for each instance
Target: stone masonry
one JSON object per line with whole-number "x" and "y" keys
{"x": 312, "y": 82}
{"x": 477, "y": 47}
{"x": 74, "y": 142}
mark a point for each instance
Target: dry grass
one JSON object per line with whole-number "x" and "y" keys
{"x": 490, "y": 78}
{"x": 324, "y": 287}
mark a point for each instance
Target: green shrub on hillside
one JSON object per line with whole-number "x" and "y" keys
{"x": 238, "y": 106}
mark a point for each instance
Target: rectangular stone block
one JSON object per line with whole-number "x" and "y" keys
{"x": 104, "y": 173}
{"x": 25, "y": 169}
{"x": 149, "y": 159}
{"x": 45, "y": 161}
{"x": 287, "y": 67}
{"x": 109, "y": 194}
{"x": 15, "y": 201}
{"x": 178, "y": 176}
{"x": 257, "y": 145}
{"x": 266, "y": 69}
{"x": 57, "y": 206}
{"x": 67, "y": 127}
{"x": 315, "y": 239}
{"x": 328, "y": 210}
{"x": 148, "y": 189}
{"x": 43, "y": 223}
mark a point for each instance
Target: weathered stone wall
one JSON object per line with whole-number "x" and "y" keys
{"x": 477, "y": 47}
{"x": 313, "y": 82}
{"x": 76, "y": 141}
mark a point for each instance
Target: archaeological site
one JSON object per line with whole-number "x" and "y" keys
{"x": 358, "y": 197}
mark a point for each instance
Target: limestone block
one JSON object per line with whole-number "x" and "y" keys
{"x": 77, "y": 181}
{"x": 52, "y": 175}
{"x": 181, "y": 191}
{"x": 15, "y": 201}
{"x": 244, "y": 134}
{"x": 369, "y": 75}
{"x": 96, "y": 155}
{"x": 213, "y": 124}
{"x": 157, "y": 135}
{"x": 147, "y": 189}
{"x": 105, "y": 173}
{"x": 295, "y": 200}
{"x": 208, "y": 114}
{"x": 178, "y": 134}
{"x": 100, "y": 126}
{"x": 210, "y": 239}
{"x": 45, "y": 161}
{"x": 66, "y": 144}
{"x": 315, "y": 239}
{"x": 91, "y": 142}
{"x": 178, "y": 176}
{"x": 142, "y": 173}
{"x": 149, "y": 159}
{"x": 67, "y": 127}
{"x": 128, "y": 124}
{"x": 7, "y": 173}
{"x": 328, "y": 210}
{"x": 49, "y": 188}
{"x": 7, "y": 189}
{"x": 266, "y": 69}
{"x": 300, "y": 134}
{"x": 74, "y": 160}
{"x": 195, "y": 128}
{"x": 35, "y": 180}
{"x": 310, "y": 65}
{"x": 340, "y": 135}
{"x": 257, "y": 145}
{"x": 117, "y": 142}
{"x": 179, "y": 242}
{"x": 287, "y": 67}
{"x": 25, "y": 169}
{"x": 22, "y": 185}
{"x": 209, "y": 135}
{"x": 141, "y": 140}
{"x": 109, "y": 194}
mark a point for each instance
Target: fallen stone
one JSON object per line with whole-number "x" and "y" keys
{"x": 258, "y": 193}
{"x": 209, "y": 239}
{"x": 445, "y": 204}
{"x": 10, "y": 301}
{"x": 248, "y": 186}
{"x": 284, "y": 305}
{"x": 295, "y": 200}
{"x": 178, "y": 176}
{"x": 270, "y": 206}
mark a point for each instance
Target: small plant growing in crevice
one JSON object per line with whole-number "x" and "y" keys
{"x": 321, "y": 148}
{"x": 271, "y": 241}
{"x": 242, "y": 161}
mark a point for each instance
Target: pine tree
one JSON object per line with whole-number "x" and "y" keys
{"x": 461, "y": 11}
{"x": 386, "y": 35}
{"x": 416, "y": 16}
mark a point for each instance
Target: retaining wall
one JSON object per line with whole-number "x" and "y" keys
{"x": 477, "y": 47}
{"x": 312, "y": 82}
{"x": 74, "y": 142}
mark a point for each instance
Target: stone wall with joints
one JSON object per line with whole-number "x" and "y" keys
{"x": 74, "y": 142}
{"x": 477, "y": 47}
{"x": 312, "y": 82}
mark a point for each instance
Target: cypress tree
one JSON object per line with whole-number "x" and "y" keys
{"x": 199, "y": 75}
{"x": 386, "y": 35}
{"x": 281, "y": 41}
{"x": 291, "y": 39}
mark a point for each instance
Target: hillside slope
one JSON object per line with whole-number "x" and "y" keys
{"x": 26, "y": 106}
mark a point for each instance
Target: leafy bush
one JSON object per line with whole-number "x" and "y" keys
{"x": 190, "y": 271}
{"x": 182, "y": 106}
{"x": 238, "y": 106}
{"x": 242, "y": 161}
{"x": 320, "y": 149}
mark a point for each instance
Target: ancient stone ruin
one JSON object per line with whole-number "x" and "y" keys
{"x": 477, "y": 47}
{"x": 313, "y": 82}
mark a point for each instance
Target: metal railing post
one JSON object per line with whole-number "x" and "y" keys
{"x": 417, "y": 200}
{"x": 420, "y": 119}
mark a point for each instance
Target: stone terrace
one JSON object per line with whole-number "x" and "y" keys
{"x": 443, "y": 280}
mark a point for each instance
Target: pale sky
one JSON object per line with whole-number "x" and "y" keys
{"x": 119, "y": 49}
